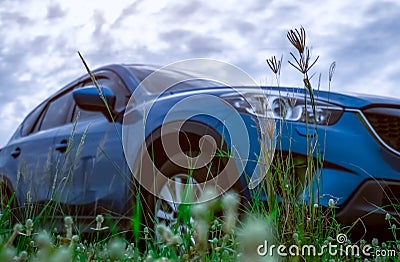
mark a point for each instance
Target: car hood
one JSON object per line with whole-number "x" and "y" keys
{"x": 345, "y": 99}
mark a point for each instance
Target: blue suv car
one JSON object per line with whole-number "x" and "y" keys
{"x": 83, "y": 147}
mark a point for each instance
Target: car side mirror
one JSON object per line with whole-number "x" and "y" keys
{"x": 88, "y": 98}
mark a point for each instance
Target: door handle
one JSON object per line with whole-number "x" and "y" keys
{"x": 62, "y": 146}
{"x": 16, "y": 152}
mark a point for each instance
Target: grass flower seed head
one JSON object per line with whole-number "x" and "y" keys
{"x": 295, "y": 236}
{"x": 68, "y": 221}
{"x": 99, "y": 219}
{"x": 375, "y": 242}
{"x": 23, "y": 256}
{"x": 331, "y": 203}
{"x": 75, "y": 238}
{"x": 215, "y": 225}
{"x": 7, "y": 254}
{"x": 200, "y": 211}
{"x": 209, "y": 197}
{"x": 116, "y": 249}
{"x": 18, "y": 228}
{"x": 62, "y": 254}
{"x": 146, "y": 232}
{"x": 29, "y": 227}
{"x": 29, "y": 223}
{"x": 230, "y": 202}
{"x": 149, "y": 258}
{"x": 201, "y": 235}
{"x": 68, "y": 225}
{"x": 43, "y": 240}
{"x": 393, "y": 226}
{"x": 162, "y": 259}
{"x": 165, "y": 233}
{"x": 298, "y": 39}
{"x": 254, "y": 233}
{"x": 176, "y": 240}
{"x": 229, "y": 222}
{"x": 99, "y": 222}
{"x": 274, "y": 64}
{"x": 387, "y": 217}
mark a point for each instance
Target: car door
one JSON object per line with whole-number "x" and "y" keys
{"x": 91, "y": 172}
{"x": 56, "y": 115}
{"x": 31, "y": 149}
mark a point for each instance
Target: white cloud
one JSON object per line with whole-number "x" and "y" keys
{"x": 39, "y": 40}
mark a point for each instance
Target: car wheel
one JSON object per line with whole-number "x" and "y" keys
{"x": 183, "y": 187}
{"x": 174, "y": 195}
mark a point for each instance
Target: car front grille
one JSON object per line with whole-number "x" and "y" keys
{"x": 386, "y": 123}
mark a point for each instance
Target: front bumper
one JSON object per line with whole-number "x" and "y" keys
{"x": 371, "y": 202}
{"x": 359, "y": 172}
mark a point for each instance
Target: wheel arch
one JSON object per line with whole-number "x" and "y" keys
{"x": 193, "y": 130}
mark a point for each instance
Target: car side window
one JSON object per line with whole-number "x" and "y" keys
{"x": 31, "y": 120}
{"x": 58, "y": 112}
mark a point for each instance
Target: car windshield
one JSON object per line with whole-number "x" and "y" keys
{"x": 169, "y": 79}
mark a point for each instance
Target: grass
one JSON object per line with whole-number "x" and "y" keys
{"x": 211, "y": 230}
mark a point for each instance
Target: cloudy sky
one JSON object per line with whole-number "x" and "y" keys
{"x": 39, "y": 40}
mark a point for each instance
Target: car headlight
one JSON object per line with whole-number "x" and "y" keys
{"x": 292, "y": 107}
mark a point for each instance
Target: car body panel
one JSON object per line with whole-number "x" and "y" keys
{"x": 91, "y": 172}
{"x": 95, "y": 174}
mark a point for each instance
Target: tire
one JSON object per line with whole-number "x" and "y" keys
{"x": 173, "y": 214}
{"x": 168, "y": 211}
{"x": 157, "y": 210}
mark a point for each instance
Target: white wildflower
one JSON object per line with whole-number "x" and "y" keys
{"x": 29, "y": 227}
{"x": 68, "y": 226}
{"x": 116, "y": 249}
{"x": 17, "y": 229}
{"x": 230, "y": 204}
{"x": 62, "y": 254}
{"x": 375, "y": 242}
{"x": 254, "y": 233}
{"x": 23, "y": 257}
{"x": 201, "y": 235}
{"x": 167, "y": 236}
{"x": 209, "y": 197}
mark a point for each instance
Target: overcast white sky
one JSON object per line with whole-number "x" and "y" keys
{"x": 39, "y": 40}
